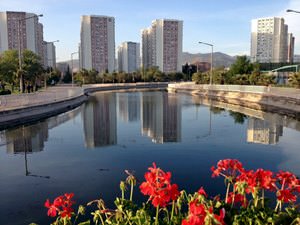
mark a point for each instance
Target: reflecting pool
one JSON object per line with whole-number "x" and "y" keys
{"x": 86, "y": 150}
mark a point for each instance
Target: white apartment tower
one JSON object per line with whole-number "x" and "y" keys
{"x": 269, "y": 40}
{"x": 97, "y": 45}
{"x": 128, "y": 57}
{"x": 14, "y": 23}
{"x": 49, "y": 54}
{"x": 162, "y": 45}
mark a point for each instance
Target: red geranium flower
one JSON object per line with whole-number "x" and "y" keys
{"x": 286, "y": 196}
{"x": 227, "y": 168}
{"x": 61, "y": 205}
{"x": 158, "y": 186}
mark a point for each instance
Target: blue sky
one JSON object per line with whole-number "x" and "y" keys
{"x": 225, "y": 23}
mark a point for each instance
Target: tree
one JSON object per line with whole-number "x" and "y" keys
{"x": 294, "y": 80}
{"x": 242, "y": 65}
{"x": 9, "y": 66}
{"x": 32, "y": 67}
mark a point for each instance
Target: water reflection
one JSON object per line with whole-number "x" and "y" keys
{"x": 263, "y": 131}
{"x": 129, "y": 106}
{"x": 100, "y": 121}
{"x": 32, "y": 138}
{"x": 161, "y": 117}
{"x": 262, "y": 128}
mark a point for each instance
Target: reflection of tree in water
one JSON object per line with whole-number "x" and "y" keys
{"x": 238, "y": 117}
{"x": 216, "y": 110}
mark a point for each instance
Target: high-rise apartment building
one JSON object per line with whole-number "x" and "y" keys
{"x": 49, "y": 54}
{"x": 128, "y": 57}
{"x": 97, "y": 45}
{"x": 269, "y": 40}
{"x": 291, "y": 45}
{"x": 14, "y": 23}
{"x": 162, "y": 45}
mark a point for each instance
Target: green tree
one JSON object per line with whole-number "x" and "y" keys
{"x": 9, "y": 64}
{"x": 294, "y": 80}
{"x": 32, "y": 67}
{"x": 242, "y": 65}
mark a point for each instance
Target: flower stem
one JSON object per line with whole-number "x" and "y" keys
{"x": 227, "y": 192}
{"x": 156, "y": 218}
{"x": 263, "y": 198}
{"x": 131, "y": 190}
{"x": 172, "y": 212}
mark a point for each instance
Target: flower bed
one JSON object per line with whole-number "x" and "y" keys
{"x": 244, "y": 202}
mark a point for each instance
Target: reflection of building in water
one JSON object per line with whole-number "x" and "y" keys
{"x": 31, "y": 138}
{"x": 129, "y": 105}
{"x": 100, "y": 120}
{"x": 27, "y": 139}
{"x": 161, "y": 117}
{"x": 263, "y": 131}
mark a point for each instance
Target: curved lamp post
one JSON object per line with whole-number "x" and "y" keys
{"x": 291, "y": 10}
{"x": 20, "y": 50}
{"x": 211, "y": 60}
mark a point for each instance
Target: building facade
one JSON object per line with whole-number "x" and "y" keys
{"x": 15, "y": 24}
{"x": 97, "y": 45}
{"x": 128, "y": 57}
{"x": 291, "y": 45}
{"x": 269, "y": 40}
{"x": 49, "y": 54}
{"x": 162, "y": 45}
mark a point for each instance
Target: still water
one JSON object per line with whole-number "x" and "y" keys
{"x": 86, "y": 150}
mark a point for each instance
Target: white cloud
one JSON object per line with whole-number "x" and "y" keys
{"x": 293, "y": 21}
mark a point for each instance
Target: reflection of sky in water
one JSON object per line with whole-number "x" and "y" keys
{"x": 85, "y": 151}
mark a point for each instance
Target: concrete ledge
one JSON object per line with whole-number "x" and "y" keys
{"x": 284, "y": 101}
{"x": 34, "y": 113}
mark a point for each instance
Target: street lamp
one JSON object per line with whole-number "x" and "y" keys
{"x": 20, "y": 50}
{"x": 211, "y": 60}
{"x": 47, "y": 59}
{"x": 73, "y": 53}
{"x": 291, "y": 10}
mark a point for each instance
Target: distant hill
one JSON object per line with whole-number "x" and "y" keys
{"x": 219, "y": 58}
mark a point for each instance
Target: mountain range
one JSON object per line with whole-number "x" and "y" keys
{"x": 219, "y": 59}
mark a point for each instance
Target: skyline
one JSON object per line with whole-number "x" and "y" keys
{"x": 226, "y": 24}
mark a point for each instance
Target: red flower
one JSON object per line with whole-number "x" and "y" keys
{"x": 227, "y": 168}
{"x": 158, "y": 186}
{"x": 201, "y": 191}
{"x": 286, "y": 196}
{"x": 287, "y": 178}
{"x": 237, "y": 199}
{"x": 61, "y": 205}
{"x": 52, "y": 209}
{"x": 197, "y": 214}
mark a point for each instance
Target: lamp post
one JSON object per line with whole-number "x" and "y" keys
{"x": 291, "y": 10}
{"x": 73, "y": 53}
{"x": 20, "y": 50}
{"x": 46, "y": 43}
{"x": 211, "y": 60}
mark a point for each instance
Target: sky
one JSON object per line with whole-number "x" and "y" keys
{"x": 224, "y": 23}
